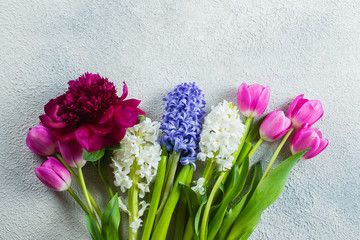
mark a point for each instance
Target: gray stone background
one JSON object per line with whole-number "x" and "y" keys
{"x": 308, "y": 46}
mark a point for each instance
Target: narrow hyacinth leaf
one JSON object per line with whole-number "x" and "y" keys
{"x": 92, "y": 228}
{"x": 111, "y": 219}
{"x": 235, "y": 210}
{"x": 93, "y": 156}
{"x": 264, "y": 195}
{"x": 254, "y": 132}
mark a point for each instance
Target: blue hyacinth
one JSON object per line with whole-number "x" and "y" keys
{"x": 182, "y": 121}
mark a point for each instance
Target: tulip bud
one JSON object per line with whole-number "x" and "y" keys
{"x": 304, "y": 112}
{"x": 274, "y": 126}
{"x": 72, "y": 153}
{"x": 54, "y": 175}
{"x": 309, "y": 137}
{"x": 40, "y": 140}
{"x": 253, "y": 99}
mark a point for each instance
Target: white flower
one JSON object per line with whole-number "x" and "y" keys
{"x": 140, "y": 153}
{"x": 136, "y": 225}
{"x": 199, "y": 188}
{"x": 221, "y": 134}
{"x": 123, "y": 204}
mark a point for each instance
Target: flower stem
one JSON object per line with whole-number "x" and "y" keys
{"x": 155, "y": 199}
{"x": 276, "y": 153}
{"x": 208, "y": 205}
{"x": 208, "y": 171}
{"x": 92, "y": 200}
{"x": 164, "y": 221}
{"x": 248, "y": 124}
{"x": 77, "y": 199}
{"x": 104, "y": 179}
{"x": 255, "y": 147}
{"x": 133, "y": 200}
{"x": 189, "y": 232}
{"x": 83, "y": 186}
{"x": 169, "y": 179}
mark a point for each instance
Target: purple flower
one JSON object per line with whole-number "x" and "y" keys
{"x": 40, "y": 140}
{"x": 182, "y": 121}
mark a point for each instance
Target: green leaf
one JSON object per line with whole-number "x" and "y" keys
{"x": 113, "y": 147}
{"x": 92, "y": 228}
{"x": 235, "y": 210}
{"x": 141, "y": 118}
{"x": 111, "y": 219}
{"x": 93, "y": 156}
{"x": 264, "y": 195}
{"x": 244, "y": 152}
{"x": 236, "y": 185}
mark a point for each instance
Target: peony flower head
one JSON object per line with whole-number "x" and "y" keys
{"x": 182, "y": 121}
{"x": 91, "y": 113}
{"x": 221, "y": 134}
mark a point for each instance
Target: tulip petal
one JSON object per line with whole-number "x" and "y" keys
{"x": 72, "y": 153}
{"x": 293, "y": 105}
{"x": 244, "y": 100}
{"x": 255, "y": 92}
{"x": 88, "y": 139}
{"x": 50, "y": 179}
{"x": 262, "y": 102}
{"x": 40, "y": 140}
{"x": 58, "y": 168}
{"x": 323, "y": 144}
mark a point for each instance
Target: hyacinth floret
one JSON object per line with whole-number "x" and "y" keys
{"x": 182, "y": 121}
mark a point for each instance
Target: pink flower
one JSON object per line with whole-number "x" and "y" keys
{"x": 274, "y": 126}
{"x": 91, "y": 113}
{"x": 54, "y": 175}
{"x": 40, "y": 140}
{"x": 253, "y": 99}
{"x": 304, "y": 112}
{"x": 309, "y": 137}
{"x": 72, "y": 153}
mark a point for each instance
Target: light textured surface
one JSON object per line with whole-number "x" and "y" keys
{"x": 308, "y": 46}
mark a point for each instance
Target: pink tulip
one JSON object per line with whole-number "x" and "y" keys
{"x": 54, "y": 175}
{"x": 309, "y": 137}
{"x": 253, "y": 99}
{"x": 40, "y": 140}
{"x": 304, "y": 112}
{"x": 274, "y": 126}
{"x": 72, "y": 153}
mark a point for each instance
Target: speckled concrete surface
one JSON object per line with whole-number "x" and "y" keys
{"x": 308, "y": 46}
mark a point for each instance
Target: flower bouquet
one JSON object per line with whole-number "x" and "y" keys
{"x": 153, "y": 163}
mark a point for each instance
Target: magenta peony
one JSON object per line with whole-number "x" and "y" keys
{"x": 91, "y": 113}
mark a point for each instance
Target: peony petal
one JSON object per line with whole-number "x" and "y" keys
{"x": 115, "y": 136}
{"x": 50, "y": 123}
{"x": 51, "y": 109}
{"x": 131, "y": 102}
{"x": 88, "y": 139}
{"x": 65, "y": 134}
{"x": 101, "y": 129}
{"x": 108, "y": 114}
{"x": 125, "y": 93}
{"x": 126, "y": 116}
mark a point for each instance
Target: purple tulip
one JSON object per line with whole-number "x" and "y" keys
{"x": 54, "y": 175}
{"x": 253, "y": 99}
{"x": 72, "y": 153}
{"x": 309, "y": 137}
{"x": 274, "y": 126}
{"x": 40, "y": 140}
{"x": 304, "y": 112}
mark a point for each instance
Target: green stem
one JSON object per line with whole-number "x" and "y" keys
{"x": 83, "y": 186}
{"x": 276, "y": 153}
{"x": 248, "y": 124}
{"x": 133, "y": 199}
{"x": 181, "y": 213}
{"x": 173, "y": 162}
{"x": 208, "y": 171}
{"x": 92, "y": 200}
{"x": 155, "y": 199}
{"x": 77, "y": 199}
{"x": 189, "y": 232}
{"x": 255, "y": 147}
{"x": 205, "y": 219}
{"x": 104, "y": 180}
{"x": 161, "y": 229}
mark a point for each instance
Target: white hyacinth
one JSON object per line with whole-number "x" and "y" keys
{"x": 138, "y": 146}
{"x": 221, "y": 134}
{"x": 199, "y": 187}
